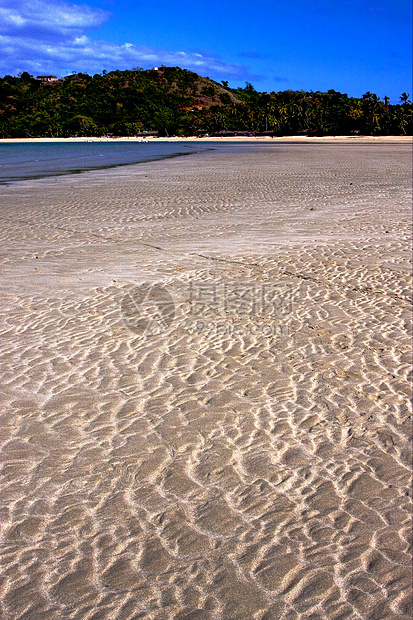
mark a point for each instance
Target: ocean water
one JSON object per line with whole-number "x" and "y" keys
{"x": 34, "y": 160}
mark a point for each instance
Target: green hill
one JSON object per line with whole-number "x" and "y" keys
{"x": 174, "y": 101}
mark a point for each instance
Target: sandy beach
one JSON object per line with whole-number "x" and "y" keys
{"x": 251, "y": 139}
{"x": 206, "y": 368}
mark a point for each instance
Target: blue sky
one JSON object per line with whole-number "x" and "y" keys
{"x": 349, "y": 45}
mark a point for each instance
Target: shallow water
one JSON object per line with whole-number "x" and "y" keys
{"x": 24, "y": 161}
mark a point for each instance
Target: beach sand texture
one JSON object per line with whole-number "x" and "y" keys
{"x": 229, "y": 440}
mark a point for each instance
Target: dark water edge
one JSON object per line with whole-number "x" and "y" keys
{"x": 25, "y": 162}
{"x": 34, "y": 177}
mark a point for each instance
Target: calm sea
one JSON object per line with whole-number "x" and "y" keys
{"x": 34, "y": 160}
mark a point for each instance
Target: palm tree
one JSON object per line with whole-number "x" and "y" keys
{"x": 403, "y": 117}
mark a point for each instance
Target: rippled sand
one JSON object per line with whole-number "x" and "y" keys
{"x": 241, "y": 453}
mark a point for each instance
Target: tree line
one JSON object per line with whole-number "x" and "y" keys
{"x": 178, "y": 102}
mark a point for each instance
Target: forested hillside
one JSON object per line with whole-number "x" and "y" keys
{"x": 174, "y": 101}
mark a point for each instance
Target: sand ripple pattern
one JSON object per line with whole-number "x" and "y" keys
{"x": 210, "y": 471}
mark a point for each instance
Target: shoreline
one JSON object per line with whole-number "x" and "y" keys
{"x": 266, "y": 139}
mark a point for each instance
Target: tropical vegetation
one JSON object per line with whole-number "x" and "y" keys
{"x": 174, "y": 101}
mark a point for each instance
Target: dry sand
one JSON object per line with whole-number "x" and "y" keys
{"x": 230, "y": 442}
{"x": 251, "y": 139}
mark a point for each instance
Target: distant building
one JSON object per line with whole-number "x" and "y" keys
{"x": 46, "y": 78}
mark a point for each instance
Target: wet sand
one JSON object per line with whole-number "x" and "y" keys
{"x": 206, "y": 388}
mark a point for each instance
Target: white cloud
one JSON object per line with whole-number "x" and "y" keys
{"x": 26, "y": 17}
{"x": 39, "y": 36}
{"x": 81, "y": 40}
